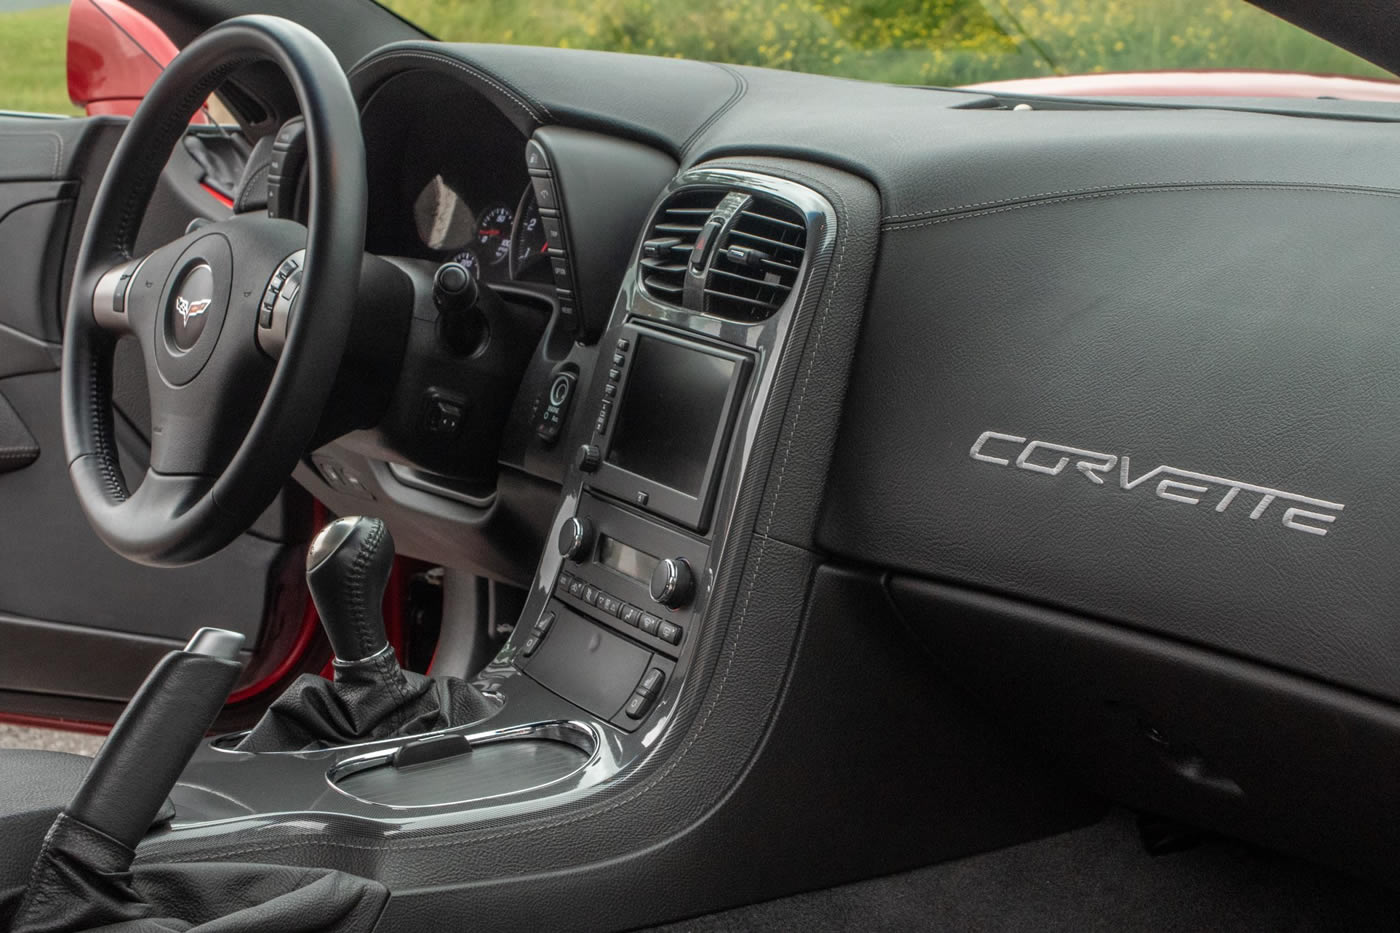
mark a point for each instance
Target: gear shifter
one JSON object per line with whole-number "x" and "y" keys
{"x": 347, "y": 569}
{"x": 371, "y": 697}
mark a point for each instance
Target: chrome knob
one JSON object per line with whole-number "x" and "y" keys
{"x": 576, "y": 538}
{"x": 672, "y": 582}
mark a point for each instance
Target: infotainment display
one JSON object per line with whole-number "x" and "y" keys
{"x": 674, "y": 405}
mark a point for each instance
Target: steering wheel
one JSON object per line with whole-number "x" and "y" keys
{"x": 242, "y": 324}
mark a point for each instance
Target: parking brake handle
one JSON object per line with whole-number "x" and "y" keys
{"x": 156, "y": 736}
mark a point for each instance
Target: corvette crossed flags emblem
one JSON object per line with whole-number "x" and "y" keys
{"x": 189, "y": 309}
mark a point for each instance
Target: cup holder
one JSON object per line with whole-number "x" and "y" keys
{"x": 454, "y": 768}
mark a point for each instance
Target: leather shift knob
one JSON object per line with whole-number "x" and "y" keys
{"x": 347, "y": 569}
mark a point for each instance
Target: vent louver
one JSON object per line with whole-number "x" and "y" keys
{"x": 671, "y": 238}
{"x": 756, "y": 265}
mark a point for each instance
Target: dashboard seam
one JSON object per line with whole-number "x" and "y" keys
{"x": 741, "y": 87}
{"x": 944, "y": 215}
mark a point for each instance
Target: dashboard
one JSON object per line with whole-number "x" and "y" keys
{"x": 994, "y": 266}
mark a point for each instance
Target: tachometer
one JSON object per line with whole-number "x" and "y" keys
{"x": 493, "y": 234}
{"x": 529, "y": 244}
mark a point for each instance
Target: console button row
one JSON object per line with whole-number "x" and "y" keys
{"x": 609, "y": 604}
{"x": 619, "y": 361}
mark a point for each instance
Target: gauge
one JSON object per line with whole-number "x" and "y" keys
{"x": 493, "y": 234}
{"x": 529, "y": 244}
{"x": 469, "y": 259}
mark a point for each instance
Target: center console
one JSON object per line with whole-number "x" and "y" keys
{"x": 618, "y": 614}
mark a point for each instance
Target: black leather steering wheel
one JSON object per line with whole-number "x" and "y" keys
{"x": 234, "y": 400}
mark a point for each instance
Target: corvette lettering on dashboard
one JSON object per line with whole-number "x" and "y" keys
{"x": 1174, "y": 484}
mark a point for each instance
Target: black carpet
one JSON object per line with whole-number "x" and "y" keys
{"x": 1097, "y": 878}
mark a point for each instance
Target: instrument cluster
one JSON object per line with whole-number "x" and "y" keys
{"x": 451, "y": 189}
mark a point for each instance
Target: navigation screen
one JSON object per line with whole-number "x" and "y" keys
{"x": 673, "y": 406}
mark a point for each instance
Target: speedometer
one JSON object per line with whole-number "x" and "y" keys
{"x": 493, "y": 234}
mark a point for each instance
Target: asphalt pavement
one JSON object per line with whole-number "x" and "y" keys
{"x": 51, "y": 740}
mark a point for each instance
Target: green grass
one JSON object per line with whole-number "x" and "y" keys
{"x": 910, "y": 41}
{"x": 33, "y": 73}
{"x": 907, "y": 41}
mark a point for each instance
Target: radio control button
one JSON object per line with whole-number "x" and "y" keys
{"x": 576, "y": 539}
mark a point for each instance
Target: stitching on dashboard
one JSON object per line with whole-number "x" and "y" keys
{"x": 534, "y": 109}
{"x": 941, "y": 215}
{"x": 741, "y": 87}
{"x": 699, "y": 727}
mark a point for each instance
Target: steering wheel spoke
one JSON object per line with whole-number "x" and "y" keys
{"x": 111, "y": 309}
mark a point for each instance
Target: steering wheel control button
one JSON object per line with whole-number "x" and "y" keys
{"x": 588, "y": 459}
{"x": 576, "y": 539}
{"x": 119, "y": 293}
{"x": 554, "y": 406}
{"x": 672, "y": 583}
{"x": 276, "y": 308}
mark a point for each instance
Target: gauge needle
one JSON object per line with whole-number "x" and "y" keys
{"x": 490, "y": 232}
{"x": 544, "y": 247}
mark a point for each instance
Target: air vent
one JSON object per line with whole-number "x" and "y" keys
{"x": 756, "y": 265}
{"x": 672, "y": 237}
